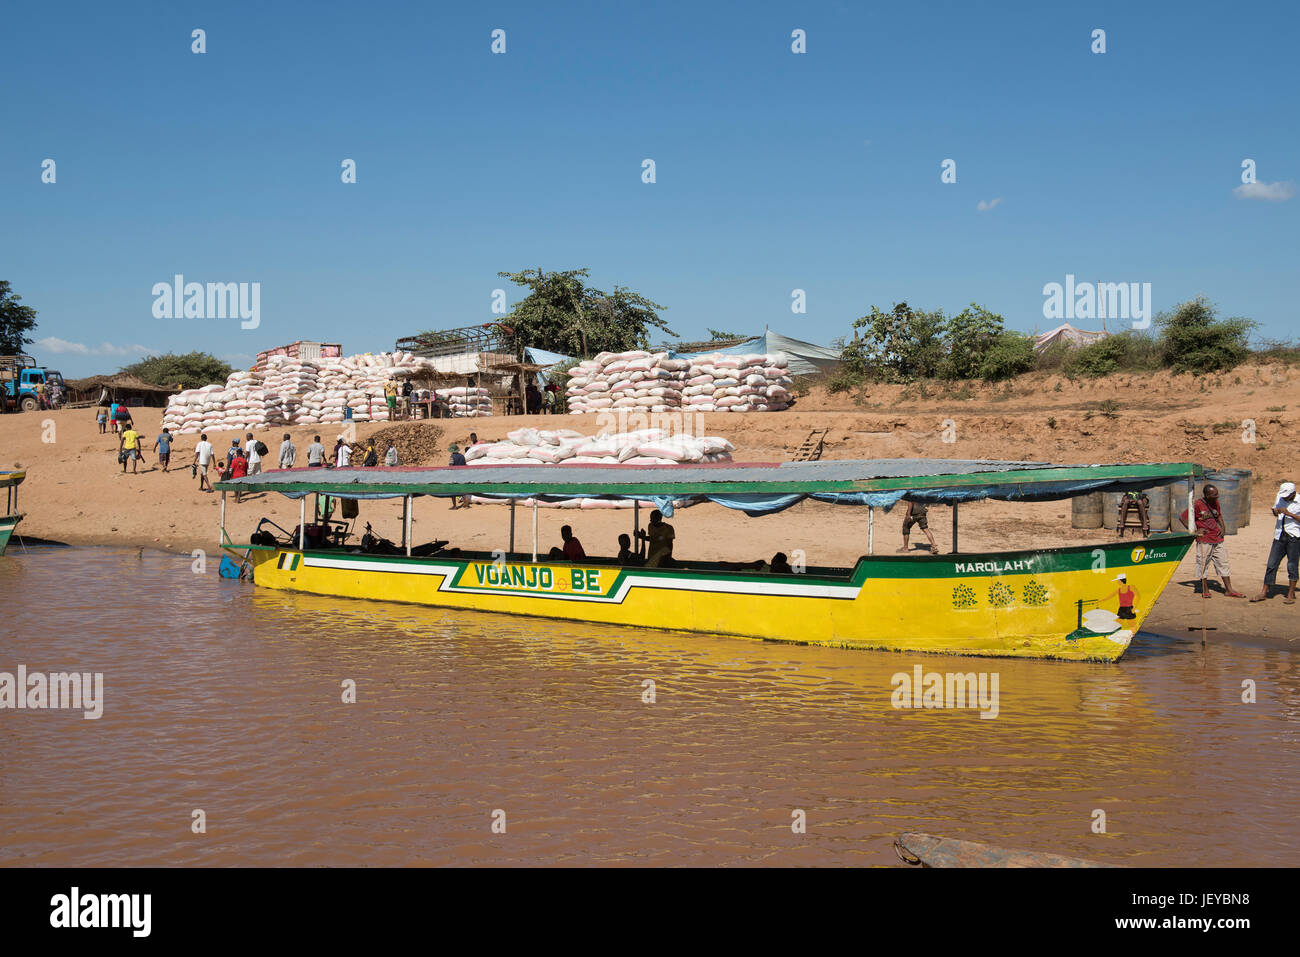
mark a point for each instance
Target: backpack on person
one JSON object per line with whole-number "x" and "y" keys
{"x": 371, "y": 459}
{"x": 262, "y": 449}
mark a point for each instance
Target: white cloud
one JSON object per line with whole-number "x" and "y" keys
{"x": 1272, "y": 192}
{"x": 987, "y": 204}
{"x": 64, "y": 347}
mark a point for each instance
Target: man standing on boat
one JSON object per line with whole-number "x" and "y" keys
{"x": 659, "y": 538}
{"x": 916, "y": 514}
{"x": 1286, "y": 543}
{"x": 1210, "y": 530}
{"x": 573, "y": 550}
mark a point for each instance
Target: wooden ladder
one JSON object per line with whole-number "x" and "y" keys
{"x": 811, "y": 450}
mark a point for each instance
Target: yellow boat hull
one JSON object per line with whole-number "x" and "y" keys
{"x": 1055, "y": 603}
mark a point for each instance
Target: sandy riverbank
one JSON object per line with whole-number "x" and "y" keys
{"x": 76, "y": 492}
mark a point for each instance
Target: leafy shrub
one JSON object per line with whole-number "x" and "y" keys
{"x": 1009, "y": 355}
{"x": 1192, "y": 339}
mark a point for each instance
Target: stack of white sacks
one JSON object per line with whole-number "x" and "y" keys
{"x": 467, "y": 401}
{"x": 566, "y": 446}
{"x": 714, "y": 383}
{"x": 304, "y": 392}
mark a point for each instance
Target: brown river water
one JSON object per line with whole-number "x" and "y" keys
{"x": 227, "y": 698}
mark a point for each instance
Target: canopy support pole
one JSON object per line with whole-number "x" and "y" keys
{"x": 302, "y": 524}
{"x": 954, "y": 528}
{"x": 534, "y": 529}
{"x": 871, "y": 529}
{"x": 636, "y": 525}
{"x": 221, "y": 538}
{"x": 511, "y": 552}
{"x": 408, "y": 523}
{"x": 406, "y": 504}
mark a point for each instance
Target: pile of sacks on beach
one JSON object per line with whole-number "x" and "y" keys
{"x": 306, "y": 392}
{"x": 467, "y": 401}
{"x": 656, "y": 382}
{"x": 566, "y": 446}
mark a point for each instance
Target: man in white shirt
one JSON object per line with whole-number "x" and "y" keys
{"x": 1286, "y": 542}
{"x": 288, "y": 452}
{"x": 203, "y": 459}
{"x": 390, "y": 457}
{"x": 254, "y": 456}
{"x": 344, "y": 454}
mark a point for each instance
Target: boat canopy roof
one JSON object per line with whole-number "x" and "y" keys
{"x": 756, "y": 489}
{"x": 8, "y": 479}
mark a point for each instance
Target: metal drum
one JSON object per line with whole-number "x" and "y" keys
{"x": 1246, "y": 498}
{"x": 1178, "y": 504}
{"x": 1086, "y": 511}
{"x": 1158, "y": 510}
{"x": 1110, "y": 508}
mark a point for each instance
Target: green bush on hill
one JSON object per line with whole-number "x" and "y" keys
{"x": 192, "y": 370}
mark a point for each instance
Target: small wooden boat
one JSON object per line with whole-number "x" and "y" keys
{"x": 930, "y": 850}
{"x": 1033, "y": 603}
{"x": 9, "y": 481}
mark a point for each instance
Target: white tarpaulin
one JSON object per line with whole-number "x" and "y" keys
{"x": 805, "y": 358}
{"x": 1066, "y": 333}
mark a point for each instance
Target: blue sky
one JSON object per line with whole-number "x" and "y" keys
{"x": 775, "y": 171}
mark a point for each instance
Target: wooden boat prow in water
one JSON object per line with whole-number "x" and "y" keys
{"x": 930, "y": 850}
{"x": 1034, "y": 603}
{"x": 9, "y": 519}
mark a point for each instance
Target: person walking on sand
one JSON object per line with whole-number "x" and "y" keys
{"x": 203, "y": 461}
{"x": 256, "y": 449}
{"x": 1210, "y": 530}
{"x": 128, "y": 445}
{"x": 163, "y": 446}
{"x": 101, "y": 417}
{"x": 288, "y": 452}
{"x": 917, "y": 514}
{"x": 315, "y": 454}
{"x": 1286, "y": 543}
{"x": 238, "y": 469}
{"x": 457, "y": 460}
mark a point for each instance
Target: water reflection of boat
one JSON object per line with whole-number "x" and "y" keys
{"x": 1026, "y": 603}
{"x": 930, "y": 850}
{"x": 9, "y": 481}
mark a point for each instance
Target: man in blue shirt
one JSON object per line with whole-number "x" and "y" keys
{"x": 163, "y": 444}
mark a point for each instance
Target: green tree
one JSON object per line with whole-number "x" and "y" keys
{"x": 561, "y": 313}
{"x": 16, "y": 320}
{"x": 191, "y": 370}
{"x": 1193, "y": 339}
{"x": 968, "y": 337}
{"x": 717, "y": 335}
{"x": 897, "y": 346}
{"x": 1007, "y": 356}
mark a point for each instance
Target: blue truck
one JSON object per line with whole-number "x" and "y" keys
{"x": 19, "y": 378}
